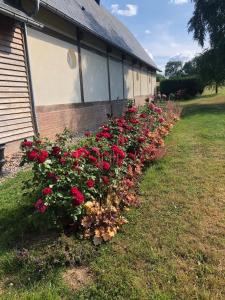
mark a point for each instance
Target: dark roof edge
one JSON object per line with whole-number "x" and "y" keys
{"x": 58, "y": 12}
{"x": 9, "y": 13}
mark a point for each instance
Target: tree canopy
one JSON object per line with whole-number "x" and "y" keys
{"x": 190, "y": 68}
{"x": 208, "y": 23}
{"x": 173, "y": 69}
{"x": 208, "y": 20}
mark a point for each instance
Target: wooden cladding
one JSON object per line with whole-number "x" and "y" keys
{"x": 15, "y": 109}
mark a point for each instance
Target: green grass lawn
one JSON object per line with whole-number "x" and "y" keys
{"x": 173, "y": 246}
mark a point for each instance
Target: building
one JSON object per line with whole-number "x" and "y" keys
{"x": 65, "y": 63}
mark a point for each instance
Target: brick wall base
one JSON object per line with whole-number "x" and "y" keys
{"x": 53, "y": 119}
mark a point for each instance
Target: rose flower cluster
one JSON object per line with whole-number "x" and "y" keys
{"x": 93, "y": 182}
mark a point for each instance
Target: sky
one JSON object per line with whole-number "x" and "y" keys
{"x": 159, "y": 25}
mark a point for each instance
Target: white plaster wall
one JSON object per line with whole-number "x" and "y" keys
{"x": 95, "y": 76}
{"x": 153, "y": 84}
{"x": 128, "y": 81}
{"x": 149, "y": 83}
{"x": 55, "y": 77}
{"x": 137, "y": 82}
{"x": 116, "y": 79}
{"x": 144, "y": 83}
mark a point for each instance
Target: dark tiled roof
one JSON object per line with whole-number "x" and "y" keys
{"x": 100, "y": 22}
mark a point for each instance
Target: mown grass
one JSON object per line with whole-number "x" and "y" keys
{"x": 173, "y": 246}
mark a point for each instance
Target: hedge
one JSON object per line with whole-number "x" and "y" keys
{"x": 88, "y": 185}
{"x": 190, "y": 86}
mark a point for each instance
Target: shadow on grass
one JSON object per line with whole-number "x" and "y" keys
{"x": 198, "y": 108}
{"x": 33, "y": 249}
{"x": 21, "y": 227}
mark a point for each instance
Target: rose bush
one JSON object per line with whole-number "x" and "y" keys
{"x": 93, "y": 182}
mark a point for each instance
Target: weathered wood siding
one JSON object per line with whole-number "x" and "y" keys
{"x": 15, "y": 109}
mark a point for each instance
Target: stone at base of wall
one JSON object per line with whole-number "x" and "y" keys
{"x": 12, "y": 148}
{"x": 53, "y": 119}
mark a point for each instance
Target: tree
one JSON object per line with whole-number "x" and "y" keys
{"x": 190, "y": 68}
{"x": 159, "y": 77}
{"x": 208, "y": 22}
{"x": 173, "y": 69}
{"x": 210, "y": 69}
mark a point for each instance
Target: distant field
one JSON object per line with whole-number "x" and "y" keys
{"x": 209, "y": 91}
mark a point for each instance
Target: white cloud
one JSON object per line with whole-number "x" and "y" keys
{"x": 164, "y": 46}
{"x": 147, "y": 31}
{"x": 130, "y": 11}
{"x": 178, "y": 2}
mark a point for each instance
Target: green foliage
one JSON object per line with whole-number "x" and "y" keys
{"x": 208, "y": 20}
{"x": 173, "y": 69}
{"x": 159, "y": 77}
{"x": 190, "y": 86}
{"x": 190, "y": 68}
{"x": 210, "y": 68}
{"x": 208, "y": 23}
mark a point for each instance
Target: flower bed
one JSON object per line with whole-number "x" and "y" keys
{"x": 90, "y": 185}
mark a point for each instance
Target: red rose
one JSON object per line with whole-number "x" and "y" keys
{"x": 96, "y": 150}
{"x": 66, "y": 154}
{"x": 105, "y": 179}
{"x": 143, "y": 116}
{"x": 105, "y": 128}
{"x": 106, "y": 135}
{"x": 141, "y": 139}
{"x": 90, "y": 183}
{"x": 32, "y": 155}
{"x": 105, "y": 165}
{"x": 117, "y": 151}
{"x": 52, "y": 176}
{"x": 129, "y": 128}
{"x": 134, "y": 121}
{"x": 146, "y": 132}
{"x": 106, "y": 154}
{"x": 120, "y": 162}
{"x": 62, "y": 161}
{"x": 151, "y": 106}
{"x": 92, "y": 158}
{"x": 131, "y": 156}
{"x": 56, "y": 150}
{"x": 78, "y": 197}
{"x": 121, "y": 140}
{"x": 47, "y": 191}
{"x": 40, "y": 206}
{"x": 43, "y": 155}
{"x": 87, "y": 133}
{"x": 120, "y": 122}
{"x": 80, "y": 152}
{"x": 161, "y": 120}
{"x": 158, "y": 110}
{"x": 132, "y": 109}
{"x": 27, "y": 144}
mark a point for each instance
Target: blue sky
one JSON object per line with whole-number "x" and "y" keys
{"x": 159, "y": 25}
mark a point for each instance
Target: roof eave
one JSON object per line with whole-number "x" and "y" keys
{"x": 18, "y": 17}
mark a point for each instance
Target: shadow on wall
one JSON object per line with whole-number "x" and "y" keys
{"x": 7, "y": 25}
